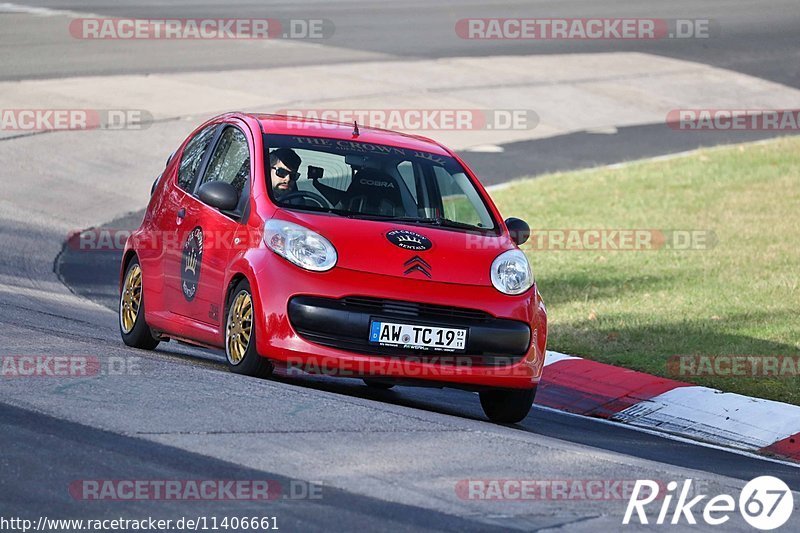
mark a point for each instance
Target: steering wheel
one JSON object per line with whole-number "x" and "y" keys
{"x": 316, "y": 198}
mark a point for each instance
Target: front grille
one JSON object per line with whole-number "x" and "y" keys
{"x": 413, "y": 309}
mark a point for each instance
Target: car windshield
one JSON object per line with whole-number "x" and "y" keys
{"x": 372, "y": 181}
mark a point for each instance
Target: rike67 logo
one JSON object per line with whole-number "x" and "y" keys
{"x": 765, "y": 503}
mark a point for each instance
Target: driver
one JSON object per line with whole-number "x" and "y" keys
{"x": 283, "y": 164}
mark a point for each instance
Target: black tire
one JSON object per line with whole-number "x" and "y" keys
{"x": 507, "y": 406}
{"x": 251, "y": 364}
{"x": 377, "y": 384}
{"x": 140, "y": 335}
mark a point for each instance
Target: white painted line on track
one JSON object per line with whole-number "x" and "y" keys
{"x": 685, "y": 153}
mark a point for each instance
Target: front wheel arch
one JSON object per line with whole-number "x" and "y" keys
{"x": 126, "y": 261}
{"x": 138, "y": 334}
{"x": 251, "y": 363}
{"x": 229, "y": 293}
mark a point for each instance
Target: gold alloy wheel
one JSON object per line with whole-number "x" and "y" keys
{"x": 131, "y": 300}
{"x": 240, "y": 327}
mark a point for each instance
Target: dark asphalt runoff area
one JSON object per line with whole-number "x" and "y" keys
{"x": 751, "y": 37}
{"x": 746, "y": 37}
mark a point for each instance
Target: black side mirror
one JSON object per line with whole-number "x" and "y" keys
{"x": 219, "y": 194}
{"x": 155, "y": 184}
{"x": 519, "y": 230}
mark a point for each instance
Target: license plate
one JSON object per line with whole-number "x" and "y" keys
{"x": 418, "y": 337}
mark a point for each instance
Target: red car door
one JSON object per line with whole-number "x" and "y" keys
{"x": 210, "y": 233}
{"x": 178, "y": 217}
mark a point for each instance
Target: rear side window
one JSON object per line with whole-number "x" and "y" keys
{"x": 193, "y": 156}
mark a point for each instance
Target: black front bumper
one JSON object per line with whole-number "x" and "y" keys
{"x": 345, "y": 324}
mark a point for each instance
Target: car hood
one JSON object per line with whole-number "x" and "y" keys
{"x": 453, "y": 256}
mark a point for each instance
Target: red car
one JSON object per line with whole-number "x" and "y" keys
{"x": 330, "y": 248}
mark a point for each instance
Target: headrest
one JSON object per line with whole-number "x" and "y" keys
{"x": 374, "y": 182}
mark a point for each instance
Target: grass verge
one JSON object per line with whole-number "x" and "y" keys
{"x": 726, "y": 283}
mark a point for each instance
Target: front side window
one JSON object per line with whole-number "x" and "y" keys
{"x": 230, "y": 161}
{"x": 458, "y": 197}
{"x": 370, "y": 181}
{"x": 193, "y": 156}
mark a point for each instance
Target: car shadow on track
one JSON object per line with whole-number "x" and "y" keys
{"x": 597, "y": 435}
{"x": 593, "y": 433}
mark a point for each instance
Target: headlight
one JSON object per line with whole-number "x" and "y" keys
{"x": 300, "y": 245}
{"x": 511, "y": 272}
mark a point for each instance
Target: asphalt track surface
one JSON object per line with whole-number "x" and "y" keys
{"x": 745, "y": 37}
{"x": 387, "y": 460}
{"x": 752, "y": 38}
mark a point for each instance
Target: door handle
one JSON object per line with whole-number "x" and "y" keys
{"x": 182, "y": 213}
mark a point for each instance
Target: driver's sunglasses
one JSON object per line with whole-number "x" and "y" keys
{"x": 282, "y": 173}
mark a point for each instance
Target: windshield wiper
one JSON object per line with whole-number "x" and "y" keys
{"x": 368, "y": 216}
{"x": 447, "y": 223}
{"x": 433, "y": 221}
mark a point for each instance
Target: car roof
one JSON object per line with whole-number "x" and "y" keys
{"x": 292, "y": 125}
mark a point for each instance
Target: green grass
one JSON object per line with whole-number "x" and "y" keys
{"x": 637, "y": 308}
